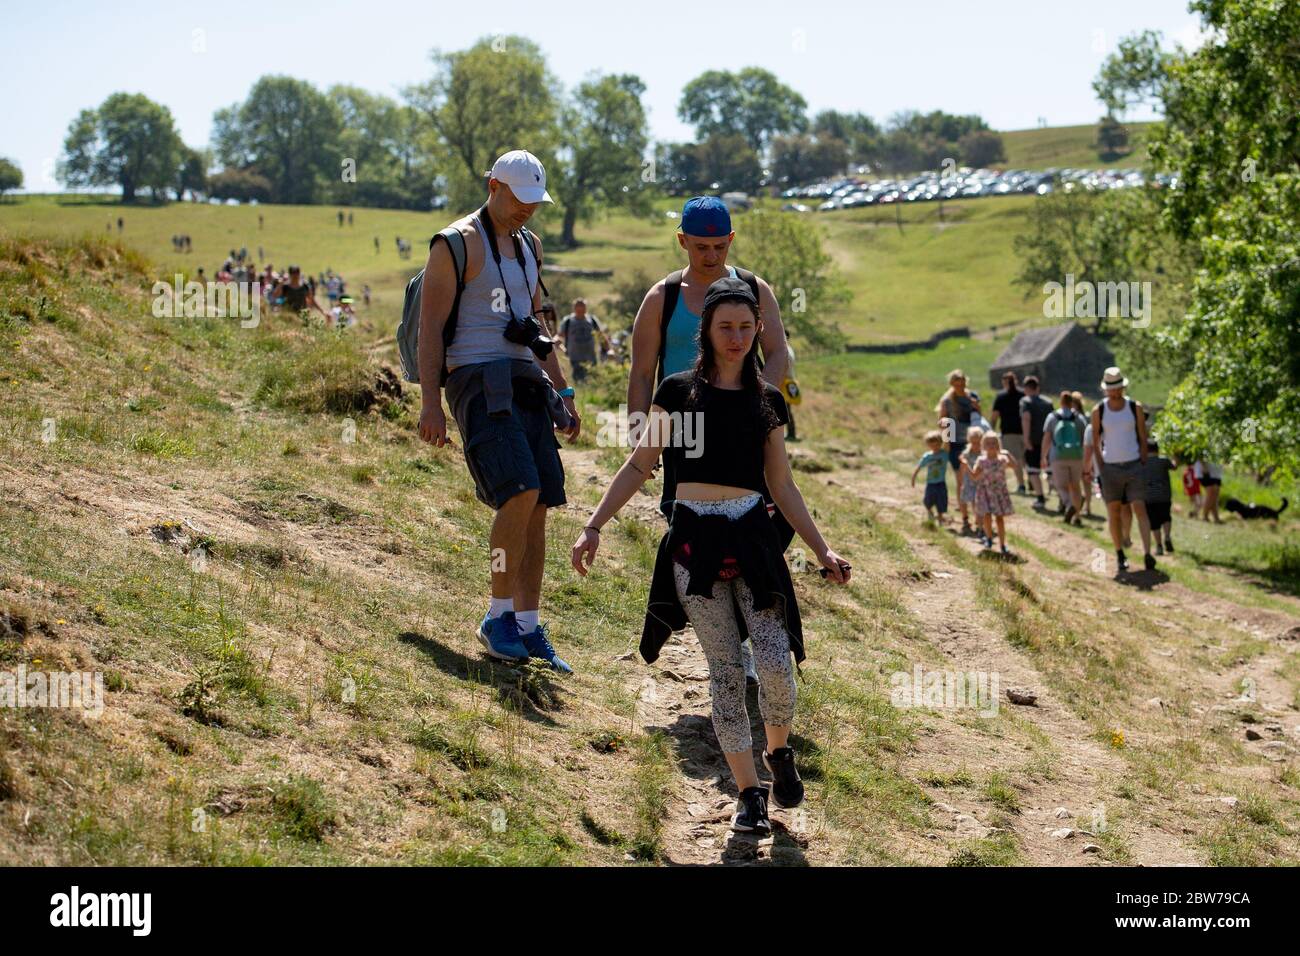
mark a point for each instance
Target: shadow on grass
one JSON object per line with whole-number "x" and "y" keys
{"x": 1279, "y": 574}
{"x": 1142, "y": 580}
{"x": 512, "y": 684}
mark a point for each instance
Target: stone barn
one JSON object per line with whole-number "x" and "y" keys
{"x": 1062, "y": 356}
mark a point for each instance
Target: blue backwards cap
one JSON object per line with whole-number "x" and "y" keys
{"x": 706, "y": 216}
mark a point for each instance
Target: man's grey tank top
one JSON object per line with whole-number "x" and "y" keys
{"x": 478, "y": 327}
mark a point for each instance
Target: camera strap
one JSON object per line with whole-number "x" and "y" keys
{"x": 485, "y": 223}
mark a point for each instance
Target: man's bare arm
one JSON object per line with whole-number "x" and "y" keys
{"x": 645, "y": 350}
{"x": 437, "y": 294}
{"x": 775, "y": 358}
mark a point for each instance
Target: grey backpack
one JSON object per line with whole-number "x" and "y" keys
{"x": 408, "y": 330}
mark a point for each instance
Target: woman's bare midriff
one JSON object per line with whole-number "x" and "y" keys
{"x": 703, "y": 491}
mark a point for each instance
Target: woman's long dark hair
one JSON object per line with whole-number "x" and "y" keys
{"x": 750, "y": 379}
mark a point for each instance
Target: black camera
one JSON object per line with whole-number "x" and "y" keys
{"x": 528, "y": 332}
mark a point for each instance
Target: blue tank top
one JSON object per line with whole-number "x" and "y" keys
{"x": 681, "y": 341}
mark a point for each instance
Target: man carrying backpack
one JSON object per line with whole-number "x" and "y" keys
{"x": 491, "y": 364}
{"x": 1063, "y": 440}
{"x": 666, "y": 330}
{"x": 1119, "y": 435}
{"x": 580, "y": 335}
{"x": 667, "y": 326}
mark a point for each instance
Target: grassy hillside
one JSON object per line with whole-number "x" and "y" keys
{"x": 1069, "y": 146}
{"x": 281, "y": 583}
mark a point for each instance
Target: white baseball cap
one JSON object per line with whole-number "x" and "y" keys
{"x": 524, "y": 174}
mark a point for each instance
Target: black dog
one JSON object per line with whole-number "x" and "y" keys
{"x": 1251, "y": 512}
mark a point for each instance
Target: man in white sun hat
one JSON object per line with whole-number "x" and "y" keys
{"x": 480, "y": 339}
{"x": 1119, "y": 436}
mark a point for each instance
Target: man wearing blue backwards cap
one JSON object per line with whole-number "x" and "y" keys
{"x": 665, "y": 333}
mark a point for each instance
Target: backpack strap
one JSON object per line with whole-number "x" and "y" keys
{"x": 1101, "y": 416}
{"x": 672, "y": 291}
{"x": 456, "y": 246}
{"x": 751, "y": 280}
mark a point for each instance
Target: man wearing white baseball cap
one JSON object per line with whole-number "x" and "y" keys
{"x": 524, "y": 174}
{"x": 481, "y": 340}
{"x": 1119, "y": 437}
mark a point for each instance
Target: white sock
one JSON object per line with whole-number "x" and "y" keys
{"x": 527, "y": 620}
{"x": 500, "y": 606}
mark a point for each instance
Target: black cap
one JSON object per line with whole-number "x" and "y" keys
{"x": 729, "y": 289}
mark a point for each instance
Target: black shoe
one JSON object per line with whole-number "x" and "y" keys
{"x": 1121, "y": 561}
{"x": 751, "y": 812}
{"x": 1169, "y": 546}
{"x": 1041, "y": 501}
{"x": 1149, "y": 562}
{"x": 787, "y": 788}
{"x": 1069, "y": 514}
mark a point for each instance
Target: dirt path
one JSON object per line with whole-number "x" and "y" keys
{"x": 1086, "y": 770}
{"x": 673, "y": 696}
{"x": 1084, "y": 775}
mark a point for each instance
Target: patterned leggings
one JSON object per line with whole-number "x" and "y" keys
{"x": 714, "y": 621}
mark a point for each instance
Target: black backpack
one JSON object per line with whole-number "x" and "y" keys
{"x": 672, "y": 291}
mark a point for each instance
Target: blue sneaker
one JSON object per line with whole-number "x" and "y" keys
{"x": 500, "y": 637}
{"x": 539, "y": 645}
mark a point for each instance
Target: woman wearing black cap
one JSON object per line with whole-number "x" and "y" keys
{"x": 724, "y": 425}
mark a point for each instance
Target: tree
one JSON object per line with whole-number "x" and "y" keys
{"x": 607, "y": 135}
{"x": 718, "y": 164}
{"x": 914, "y": 141}
{"x": 288, "y": 132}
{"x": 803, "y": 158}
{"x": 392, "y": 148}
{"x": 241, "y": 184}
{"x": 192, "y": 173}
{"x": 1133, "y": 74}
{"x": 1232, "y": 136}
{"x": 981, "y": 147}
{"x": 496, "y": 96}
{"x": 857, "y": 130}
{"x": 752, "y": 103}
{"x": 11, "y": 175}
{"x": 1112, "y": 138}
{"x": 1098, "y": 238}
{"x": 129, "y": 141}
{"x": 1240, "y": 398}
{"x": 787, "y": 252}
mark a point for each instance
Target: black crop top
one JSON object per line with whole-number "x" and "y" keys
{"x": 721, "y": 441}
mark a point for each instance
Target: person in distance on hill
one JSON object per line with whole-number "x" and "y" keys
{"x": 1006, "y": 417}
{"x": 1034, "y": 410}
{"x": 1063, "y": 443}
{"x": 721, "y": 553}
{"x": 935, "y": 463}
{"x": 297, "y": 295}
{"x": 1159, "y": 497}
{"x": 498, "y": 395}
{"x": 957, "y": 409}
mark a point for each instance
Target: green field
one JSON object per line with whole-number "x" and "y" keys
{"x": 1069, "y": 146}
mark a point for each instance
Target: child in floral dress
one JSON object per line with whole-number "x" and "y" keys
{"x": 992, "y": 500}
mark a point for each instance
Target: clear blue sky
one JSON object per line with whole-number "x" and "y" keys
{"x": 1010, "y": 63}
